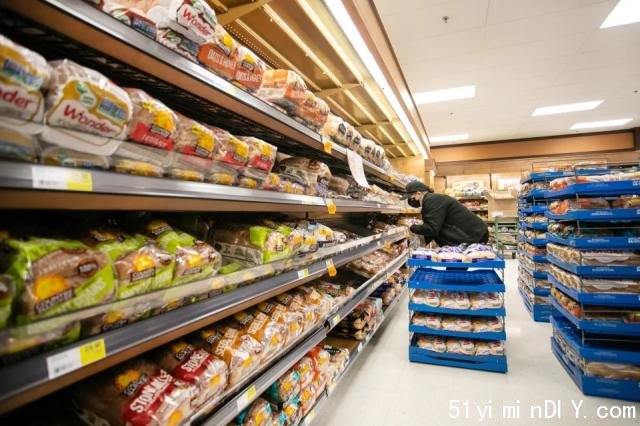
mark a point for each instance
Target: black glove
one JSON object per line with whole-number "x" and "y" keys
{"x": 416, "y": 229}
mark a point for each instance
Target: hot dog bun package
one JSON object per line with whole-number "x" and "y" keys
{"x": 138, "y": 392}
{"x": 206, "y": 373}
{"x": 241, "y": 352}
{"x": 23, "y": 75}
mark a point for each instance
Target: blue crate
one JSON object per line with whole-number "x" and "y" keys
{"x": 544, "y": 176}
{"x": 534, "y": 209}
{"x": 612, "y": 243}
{"x": 534, "y": 193}
{"x": 539, "y": 226}
{"x": 535, "y": 274}
{"x": 495, "y": 363}
{"x": 418, "y": 307}
{"x": 501, "y": 335}
{"x": 437, "y": 279}
{"x": 593, "y": 351}
{"x": 597, "y": 271}
{"x": 538, "y": 312}
{"x": 536, "y": 241}
{"x": 600, "y": 299}
{"x": 596, "y": 386}
{"x": 497, "y": 263}
{"x": 598, "y": 327}
{"x": 540, "y": 258}
{"x": 597, "y": 189}
{"x": 607, "y": 215}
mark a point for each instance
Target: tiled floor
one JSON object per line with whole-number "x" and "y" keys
{"x": 384, "y": 388}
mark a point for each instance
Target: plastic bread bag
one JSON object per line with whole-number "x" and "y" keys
{"x": 287, "y": 386}
{"x": 454, "y": 323}
{"x": 339, "y": 291}
{"x": 307, "y": 397}
{"x": 194, "y": 138}
{"x": 324, "y": 235}
{"x": 488, "y": 300}
{"x": 132, "y": 13}
{"x": 295, "y": 302}
{"x": 305, "y": 371}
{"x": 461, "y": 346}
{"x": 7, "y": 295}
{"x": 138, "y": 392}
{"x": 365, "y": 148}
{"x": 432, "y": 343}
{"x": 489, "y": 324}
{"x": 312, "y": 110}
{"x": 59, "y": 156}
{"x": 269, "y": 333}
{"x": 262, "y": 155}
{"x": 231, "y": 150}
{"x": 290, "y": 413}
{"x": 57, "y": 276}
{"x": 335, "y": 128}
{"x": 564, "y": 206}
{"x": 195, "y": 366}
{"x": 249, "y": 69}
{"x": 427, "y": 320}
{"x": 610, "y": 370}
{"x": 241, "y": 352}
{"x": 194, "y": 259}
{"x": 626, "y": 202}
{"x": 139, "y": 264}
{"x": 283, "y": 88}
{"x": 152, "y": 122}
{"x": 190, "y": 167}
{"x": 118, "y": 317}
{"x": 141, "y": 160}
{"x": 489, "y": 348}
{"x": 255, "y": 245}
{"x": 16, "y": 345}
{"x": 18, "y": 146}
{"x": 24, "y": 74}
{"x": 220, "y": 53}
{"x": 338, "y": 186}
{"x": 291, "y": 322}
{"x": 82, "y": 99}
{"x": 222, "y": 174}
{"x": 455, "y": 300}
{"x": 194, "y": 19}
{"x": 311, "y": 173}
{"x": 294, "y": 237}
{"x": 321, "y": 359}
{"x": 251, "y": 178}
{"x": 178, "y": 43}
{"x": 259, "y": 413}
{"x": 314, "y": 299}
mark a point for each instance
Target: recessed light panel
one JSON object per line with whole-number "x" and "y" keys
{"x": 561, "y": 109}
{"x": 604, "y": 123}
{"x": 625, "y": 12}
{"x": 444, "y": 95}
{"x": 449, "y": 138}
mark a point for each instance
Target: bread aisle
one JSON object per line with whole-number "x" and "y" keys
{"x": 389, "y": 390}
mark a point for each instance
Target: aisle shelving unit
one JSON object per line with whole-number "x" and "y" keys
{"x": 505, "y": 234}
{"x": 532, "y": 279}
{"x": 592, "y": 348}
{"x": 475, "y": 277}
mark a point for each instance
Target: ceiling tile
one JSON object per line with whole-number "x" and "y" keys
{"x": 511, "y": 10}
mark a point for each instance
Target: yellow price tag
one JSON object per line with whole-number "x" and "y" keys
{"x": 310, "y": 417}
{"x": 331, "y": 268}
{"x": 336, "y": 319}
{"x": 251, "y": 392}
{"x": 303, "y": 273}
{"x": 328, "y": 146}
{"x": 331, "y": 206}
{"x": 78, "y": 180}
{"x": 92, "y": 352}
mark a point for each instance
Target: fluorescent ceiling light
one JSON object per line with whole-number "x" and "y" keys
{"x": 625, "y": 12}
{"x": 343, "y": 19}
{"x": 604, "y": 123}
{"x": 561, "y": 109}
{"x": 443, "y": 95}
{"x": 449, "y": 138}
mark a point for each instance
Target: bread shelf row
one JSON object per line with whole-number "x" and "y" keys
{"x": 234, "y": 406}
{"x": 42, "y": 374}
{"x": 597, "y": 242}
{"x": 535, "y": 241}
{"x": 538, "y": 258}
{"x": 533, "y": 209}
{"x": 51, "y": 187}
{"x": 535, "y": 274}
{"x": 418, "y": 307}
{"x": 600, "y": 299}
{"x": 597, "y": 215}
{"x": 596, "y": 271}
{"x": 487, "y": 335}
{"x": 143, "y": 60}
{"x": 596, "y": 189}
{"x": 497, "y": 263}
{"x": 541, "y": 226}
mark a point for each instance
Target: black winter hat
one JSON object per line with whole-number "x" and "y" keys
{"x": 415, "y": 186}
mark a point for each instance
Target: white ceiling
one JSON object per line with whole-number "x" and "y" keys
{"x": 520, "y": 54}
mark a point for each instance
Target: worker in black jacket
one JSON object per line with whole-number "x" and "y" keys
{"x": 444, "y": 219}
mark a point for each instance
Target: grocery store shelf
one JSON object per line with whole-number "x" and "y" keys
{"x": 495, "y": 363}
{"x": 595, "y": 271}
{"x": 535, "y": 225}
{"x": 418, "y": 307}
{"x": 535, "y": 274}
{"x": 476, "y": 281}
{"x": 34, "y": 186}
{"x": 489, "y": 335}
{"x": 600, "y": 299}
{"x": 30, "y": 379}
{"x": 597, "y": 242}
{"x": 597, "y": 189}
{"x": 534, "y": 209}
{"x": 497, "y": 263}
{"x": 608, "y": 215}
{"x": 86, "y": 25}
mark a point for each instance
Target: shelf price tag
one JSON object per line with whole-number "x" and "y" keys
{"x": 246, "y": 398}
{"x": 335, "y": 320}
{"x": 331, "y": 206}
{"x": 310, "y": 417}
{"x": 75, "y": 358}
{"x": 303, "y": 273}
{"x": 327, "y": 146}
{"x": 331, "y": 268}
{"x": 70, "y": 180}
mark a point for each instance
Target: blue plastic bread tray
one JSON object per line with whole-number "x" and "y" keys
{"x": 536, "y": 225}
{"x": 497, "y": 263}
{"x": 501, "y": 335}
{"x": 543, "y": 176}
{"x": 597, "y": 215}
{"x": 597, "y": 189}
{"x": 536, "y": 241}
{"x": 436, "y": 279}
{"x": 495, "y": 363}
{"x": 534, "y": 193}
{"x": 596, "y": 386}
{"x": 593, "y": 351}
{"x": 534, "y": 209}
{"x": 538, "y": 312}
{"x": 535, "y": 274}
{"x": 600, "y": 299}
{"x": 598, "y": 327}
{"x": 418, "y": 307}
{"x": 597, "y": 271}
{"x": 613, "y": 243}
{"x": 538, "y": 258}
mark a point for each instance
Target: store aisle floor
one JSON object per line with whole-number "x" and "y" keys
{"x": 384, "y": 388}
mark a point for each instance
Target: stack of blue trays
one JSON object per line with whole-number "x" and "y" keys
{"x": 466, "y": 277}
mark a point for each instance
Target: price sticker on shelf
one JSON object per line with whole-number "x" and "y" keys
{"x": 360, "y": 346}
{"x": 70, "y": 180}
{"x": 246, "y": 398}
{"x": 335, "y": 320}
{"x": 331, "y": 388}
{"x": 331, "y": 268}
{"x": 303, "y": 273}
{"x": 75, "y": 358}
{"x": 310, "y": 417}
{"x": 331, "y": 206}
{"x": 327, "y": 146}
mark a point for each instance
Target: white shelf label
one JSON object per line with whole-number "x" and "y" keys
{"x": 64, "y": 179}
{"x": 246, "y": 398}
{"x": 303, "y": 273}
{"x": 75, "y": 358}
{"x": 357, "y": 169}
